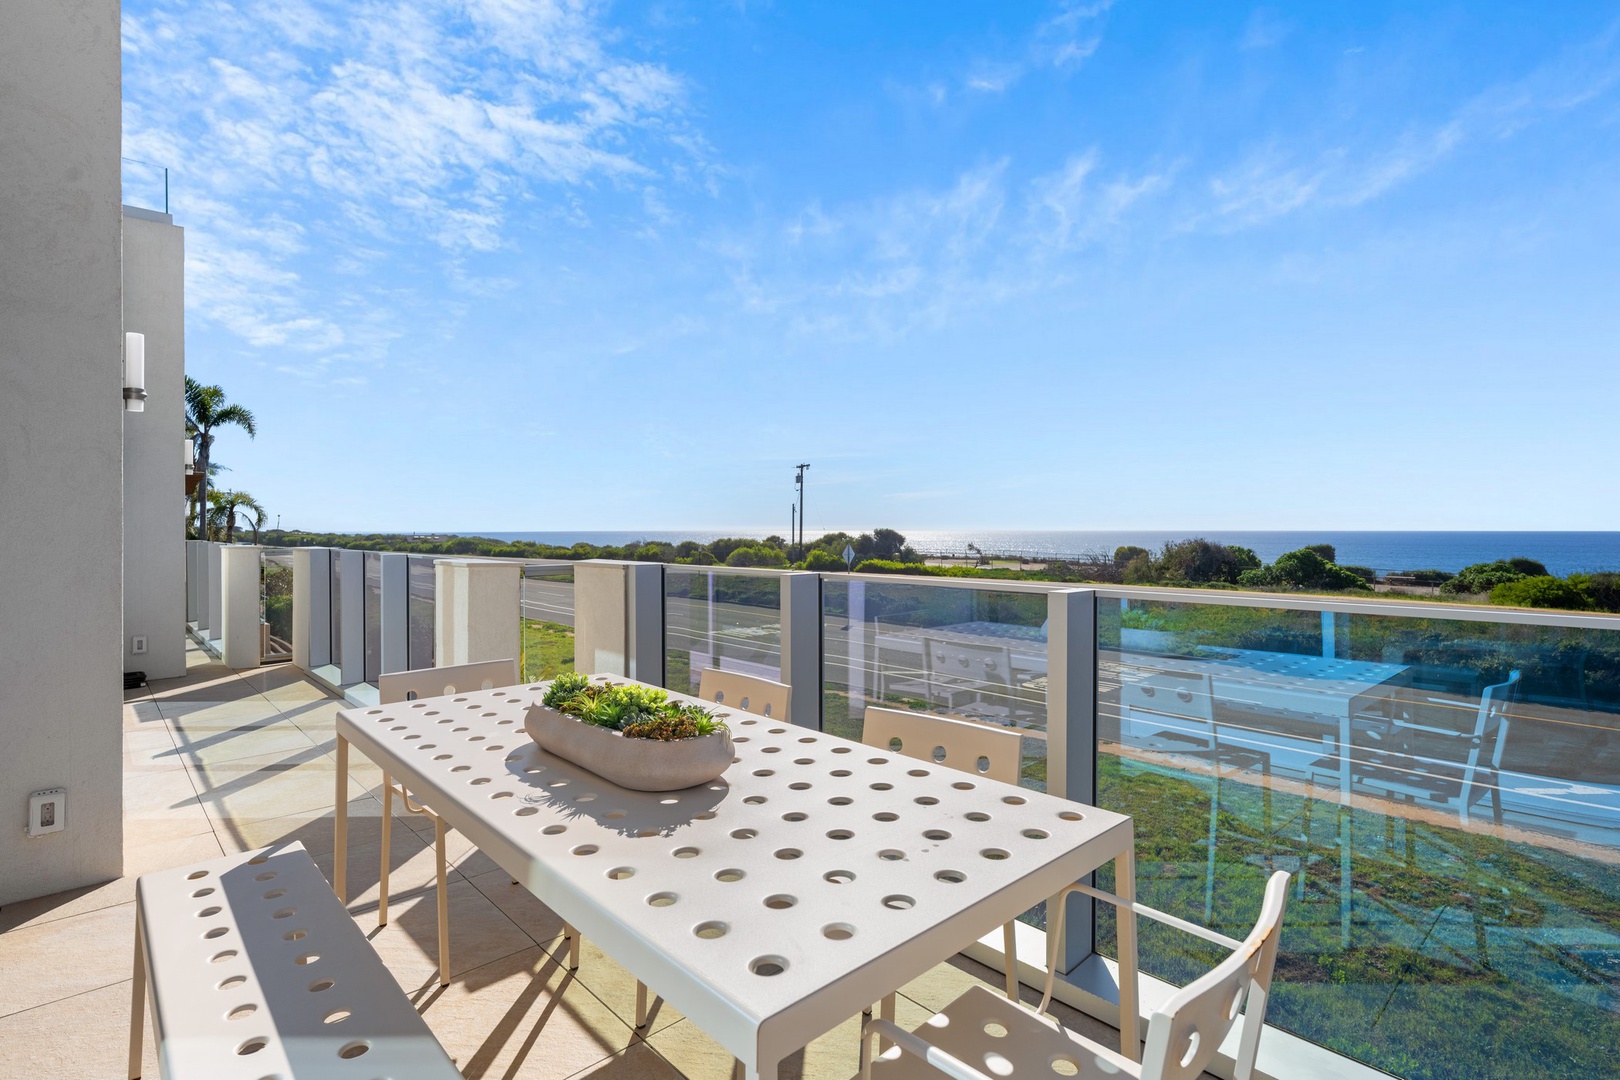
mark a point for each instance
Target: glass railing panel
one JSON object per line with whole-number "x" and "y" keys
{"x": 420, "y": 610}
{"x": 336, "y": 607}
{"x": 276, "y": 603}
{"x": 372, "y": 561}
{"x": 1446, "y": 793}
{"x": 720, "y": 617}
{"x": 547, "y": 602}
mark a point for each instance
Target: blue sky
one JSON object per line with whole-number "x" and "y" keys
{"x": 524, "y": 265}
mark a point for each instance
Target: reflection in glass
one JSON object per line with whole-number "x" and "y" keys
{"x": 723, "y": 618}
{"x": 1446, "y": 792}
{"x": 372, "y": 560}
{"x": 420, "y": 612}
{"x": 275, "y": 603}
{"x": 335, "y": 560}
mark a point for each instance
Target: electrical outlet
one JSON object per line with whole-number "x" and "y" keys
{"x": 47, "y": 811}
{"x": 137, "y": 645}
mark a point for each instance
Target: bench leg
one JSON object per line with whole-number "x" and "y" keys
{"x": 340, "y": 825}
{"x": 1009, "y": 947}
{"x": 387, "y": 833}
{"x": 137, "y": 1005}
{"x": 444, "y": 901}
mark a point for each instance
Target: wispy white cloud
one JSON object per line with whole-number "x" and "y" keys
{"x": 379, "y": 124}
{"x": 1061, "y": 41}
{"x": 1264, "y": 29}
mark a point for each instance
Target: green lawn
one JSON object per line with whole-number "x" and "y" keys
{"x": 548, "y": 649}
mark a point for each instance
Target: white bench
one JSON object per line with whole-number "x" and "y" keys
{"x": 257, "y": 972}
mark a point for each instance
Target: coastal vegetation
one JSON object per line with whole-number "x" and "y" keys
{"x": 1192, "y": 563}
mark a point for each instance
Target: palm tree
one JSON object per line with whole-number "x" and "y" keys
{"x": 205, "y": 411}
{"x": 223, "y": 509}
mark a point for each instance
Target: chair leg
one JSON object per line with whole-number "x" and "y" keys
{"x": 886, "y": 1011}
{"x": 387, "y": 833}
{"x": 444, "y": 901}
{"x": 572, "y": 937}
{"x": 1009, "y": 948}
{"x": 641, "y": 1004}
{"x": 340, "y": 825}
{"x": 137, "y": 1004}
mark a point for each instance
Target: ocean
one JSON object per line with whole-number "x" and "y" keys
{"x": 1386, "y": 552}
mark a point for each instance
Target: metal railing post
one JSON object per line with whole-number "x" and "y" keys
{"x": 352, "y": 632}
{"x": 801, "y": 646}
{"x": 644, "y": 622}
{"x": 396, "y": 606}
{"x": 1071, "y": 733}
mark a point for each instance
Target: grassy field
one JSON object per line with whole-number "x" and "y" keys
{"x": 548, "y": 649}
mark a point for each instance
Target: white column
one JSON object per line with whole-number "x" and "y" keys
{"x": 395, "y": 612}
{"x": 312, "y": 608}
{"x": 216, "y": 596}
{"x": 600, "y": 616}
{"x": 476, "y": 611}
{"x": 195, "y": 602}
{"x": 1071, "y": 730}
{"x": 240, "y": 644}
{"x": 801, "y": 646}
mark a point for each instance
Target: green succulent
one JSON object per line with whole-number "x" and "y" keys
{"x": 639, "y": 712}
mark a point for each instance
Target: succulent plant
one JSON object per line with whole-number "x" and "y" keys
{"x": 638, "y": 712}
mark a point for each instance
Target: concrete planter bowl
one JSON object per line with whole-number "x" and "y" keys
{"x": 637, "y": 764}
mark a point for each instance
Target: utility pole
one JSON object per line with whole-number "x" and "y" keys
{"x": 799, "y": 482}
{"x": 793, "y": 524}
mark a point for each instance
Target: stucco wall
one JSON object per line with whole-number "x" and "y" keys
{"x": 61, "y": 440}
{"x": 154, "y": 461}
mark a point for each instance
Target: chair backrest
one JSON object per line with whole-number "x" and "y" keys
{"x": 1178, "y": 695}
{"x": 1186, "y": 1031}
{"x": 750, "y": 693}
{"x": 1493, "y": 720}
{"x": 439, "y": 681}
{"x": 946, "y": 740}
{"x": 964, "y": 662}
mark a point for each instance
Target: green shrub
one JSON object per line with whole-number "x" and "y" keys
{"x": 1483, "y": 577}
{"x": 1125, "y": 553}
{"x": 1365, "y": 573}
{"x": 823, "y": 561}
{"x": 1327, "y": 551}
{"x": 1306, "y": 569}
{"x": 756, "y": 555}
{"x": 1602, "y": 589}
{"x": 1541, "y": 591}
{"x": 1529, "y": 567}
{"x": 1428, "y": 577}
{"x": 890, "y": 566}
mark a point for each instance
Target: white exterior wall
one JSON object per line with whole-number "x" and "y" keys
{"x": 154, "y": 453}
{"x": 61, "y": 441}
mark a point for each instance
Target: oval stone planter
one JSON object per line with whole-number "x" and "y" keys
{"x": 637, "y": 764}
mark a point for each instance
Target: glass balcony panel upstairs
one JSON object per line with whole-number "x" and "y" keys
{"x": 420, "y": 610}
{"x": 720, "y": 617}
{"x": 547, "y": 619}
{"x": 1446, "y": 794}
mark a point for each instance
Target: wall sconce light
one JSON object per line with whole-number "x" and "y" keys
{"x": 191, "y": 455}
{"x": 134, "y": 372}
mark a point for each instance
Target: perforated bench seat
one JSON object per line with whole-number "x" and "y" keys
{"x": 257, "y": 972}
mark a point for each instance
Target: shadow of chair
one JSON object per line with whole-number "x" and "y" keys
{"x": 1178, "y": 708}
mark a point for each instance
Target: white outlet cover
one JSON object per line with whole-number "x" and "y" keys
{"x": 47, "y": 811}
{"x": 137, "y": 644}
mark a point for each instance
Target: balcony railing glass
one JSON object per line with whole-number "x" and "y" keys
{"x": 1446, "y": 791}
{"x": 720, "y": 617}
{"x": 275, "y": 603}
{"x": 373, "y": 616}
{"x": 420, "y": 613}
{"x": 547, "y": 601}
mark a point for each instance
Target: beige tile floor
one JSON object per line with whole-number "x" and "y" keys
{"x": 219, "y": 762}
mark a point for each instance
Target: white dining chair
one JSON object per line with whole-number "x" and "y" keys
{"x": 750, "y": 693}
{"x": 983, "y": 1036}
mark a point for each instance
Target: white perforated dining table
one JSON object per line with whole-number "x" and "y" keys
{"x": 815, "y": 877}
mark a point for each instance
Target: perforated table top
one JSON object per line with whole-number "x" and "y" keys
{"x": 816, "y": 876}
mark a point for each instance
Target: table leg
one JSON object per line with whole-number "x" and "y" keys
{"x": 444, "y": 902}
{"x": 387, "y": 842}
{"x": 641, "y": 1004}
{"x": 137, "y": 1004}
{"x": 340, "y": 825}
{"x": 1125, "y": 886}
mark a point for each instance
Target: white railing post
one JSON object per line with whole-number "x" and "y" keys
{"x": 196, "y": 601}
{"x": 351, "y": 630}
{"x": 476, "y": 611}
{"x": 1071, "y": 732}
{"x": 241, "y": 646}
{"x": 396, "y": 607}
{"x": 601, "y": 615}
{"x": 312, "y": 608}
{"x": 215, "y": 627}
{"x": 801, "y": 646}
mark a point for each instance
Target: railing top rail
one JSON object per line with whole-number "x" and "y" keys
{"x": 983, "y": 584}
